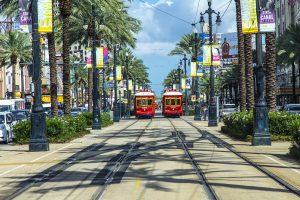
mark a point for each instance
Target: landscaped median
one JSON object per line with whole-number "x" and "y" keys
{"x": 60, "y": 129}
{"x": 283, "y": 127}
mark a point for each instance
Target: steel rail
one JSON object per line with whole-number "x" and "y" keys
{"x": 200, "y": 173}
{"x": 49, "y": 173}
{"x": 117, "y": 166}
{"x": 218, "y": 141}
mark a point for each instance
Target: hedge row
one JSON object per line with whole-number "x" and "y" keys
{"x": 60, "y": 129}
{"x": 282, "y": 126}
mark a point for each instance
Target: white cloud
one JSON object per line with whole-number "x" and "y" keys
{"x": 153, "y": 48}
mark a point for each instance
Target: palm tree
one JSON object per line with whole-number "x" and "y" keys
{"x": 15, "y": 46}
{"x": 271, "y": 71}
{"x": 288, "y": 51}
{"x": 183, "y": 46}
{"x": 249, "y": 72}
{"x": 65, "y": 12}
{"x": 242, "y": 82}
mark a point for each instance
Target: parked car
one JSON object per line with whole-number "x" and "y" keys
{"x": 292, "y": 108}
{"x": 227, "y": 109}
{"x": 75, "y": 111}
{"x": 3, "y": 132}
{"x": 9, "y": 121}
{"x": 21, "y": 114}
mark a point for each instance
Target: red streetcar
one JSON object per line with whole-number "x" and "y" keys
{"x": 172, "y": 104}
{"x": 144, "y": 104}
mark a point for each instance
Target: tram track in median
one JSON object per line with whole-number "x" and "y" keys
{"x": 221, "y": 143}
{"x": 179, "y": 135}
{"x": 124, "y": 157}
{"x": 52, "y": 172}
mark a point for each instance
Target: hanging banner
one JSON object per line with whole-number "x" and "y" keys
{"x": 216, "y": 53}
{"x": 105, "y": 55}
{"x": 174, "y": 87}
{"x": 267, "y": 16}
{"x": 100, "y": 57}
{"x": 193, "y": 69}
{"x": 119, "y": 73}
{"x": 183, "y": 83}
{"x": 25, "y": 16}
{"x": 88, "y": 58}
{"x": 130, "y": 85}
{"x": 216, "y": 59}
{"x": 45, "y": 16}
{"x": 249, "y": 16}
{"x": 188, "y": 83}
{"x": 193, "y": 98}
{"x": 206, "y": 55}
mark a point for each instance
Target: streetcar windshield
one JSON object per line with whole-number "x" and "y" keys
{"x": 144, "y": 102}
{"x": 168, "y": 102}
{"x": 150, "y": 102}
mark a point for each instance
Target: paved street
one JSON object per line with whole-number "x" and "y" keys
{"x": 142, "y": 159}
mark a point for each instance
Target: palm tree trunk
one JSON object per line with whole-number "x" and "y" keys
{"x": 13, "y": 81}
{"x": 294, "y": 82}
{"x": 53, "y": 73}
{"x": 242, "y": 82}
{"x": 90, "y": 89}
{"x": 271, "y": 71}
{"x": 66, "y": 10}
{"x": 249, "y": 72}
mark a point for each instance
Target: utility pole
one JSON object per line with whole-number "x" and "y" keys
{"x": 185, "y": 89}
{"x": 116, "y": 116}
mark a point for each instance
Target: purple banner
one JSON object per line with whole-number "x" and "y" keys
{"x": 25, "y": 15}
{"x": 267, "y": 16}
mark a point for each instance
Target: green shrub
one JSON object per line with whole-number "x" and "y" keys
{"x": 282, "y": 126}
{"x": 60, "y": 129}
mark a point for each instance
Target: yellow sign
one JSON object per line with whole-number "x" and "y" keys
{"x": 194, "y": 69}
{"x": 119, "y": 73}
{"x": 100, "y": 57}
{"x": 249, "y": 16}
{"x": 45, "y": 16}
{"x": 183, "y": 83}
{"x": 47, "y": 99}
{"x": 193, "y": 98}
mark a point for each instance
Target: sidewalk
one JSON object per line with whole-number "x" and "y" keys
{"x": 18, "y": 164}
{"x": 274, "y": 158}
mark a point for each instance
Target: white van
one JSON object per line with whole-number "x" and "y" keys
{"x": 8, "y": 120}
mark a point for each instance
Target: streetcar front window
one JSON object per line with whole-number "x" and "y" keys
{"x": 150, "y": 102}
{"x": 144, "y": 102}
{"x": 173, "y": 102}
{"x": 168, "y": 102}
{"x": 178, "y": 102}
{"x": 138, "y": 102}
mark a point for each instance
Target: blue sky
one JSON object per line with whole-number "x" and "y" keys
{"x": 161, "y": 32}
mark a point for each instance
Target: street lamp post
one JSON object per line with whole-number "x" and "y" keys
{"x": 38, "y": 139}
{"x": 103, "y": 89}
{"x": 185, "y": 89}
{"x": 261, "y": 134}
{"x": 197, "y": 116}
{"x": 96, "y": 110}
{"x": 127, "y": 88}
{"x": 212, "y": 109}
{"x": 179, "y": 75}
{"x": 116, "y": 116}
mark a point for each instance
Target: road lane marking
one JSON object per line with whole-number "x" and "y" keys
{"x": 39, "y": 158}
{"x": 282, "y": 164}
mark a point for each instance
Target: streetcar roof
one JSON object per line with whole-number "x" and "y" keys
{"x": 173, "y": 93}
{"x": 144, "y": 94}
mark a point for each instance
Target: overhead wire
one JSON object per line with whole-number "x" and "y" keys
{"x": 197, "y": 11}
{"x": 171, "y": 15}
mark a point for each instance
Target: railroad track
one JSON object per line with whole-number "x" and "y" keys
{"x": 54, "y": 171}
{"x": 118, "y": 164}
{"x": 221, "y": 143}
{"x": 202, "y": 178}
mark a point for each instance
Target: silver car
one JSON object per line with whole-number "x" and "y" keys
{"x": 292, "y": 108}
{"x": 228, "y": 109}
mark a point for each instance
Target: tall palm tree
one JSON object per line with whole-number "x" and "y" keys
{"x": 271, "y": 71}
{"x": 15, "y": 46}
{"x": 65, "y": 12}
{"x": 183, "y": 46}
{"x": 249, "y": 72}
{"x": 288, "y": 51}
{"x": 242, "y": 79}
